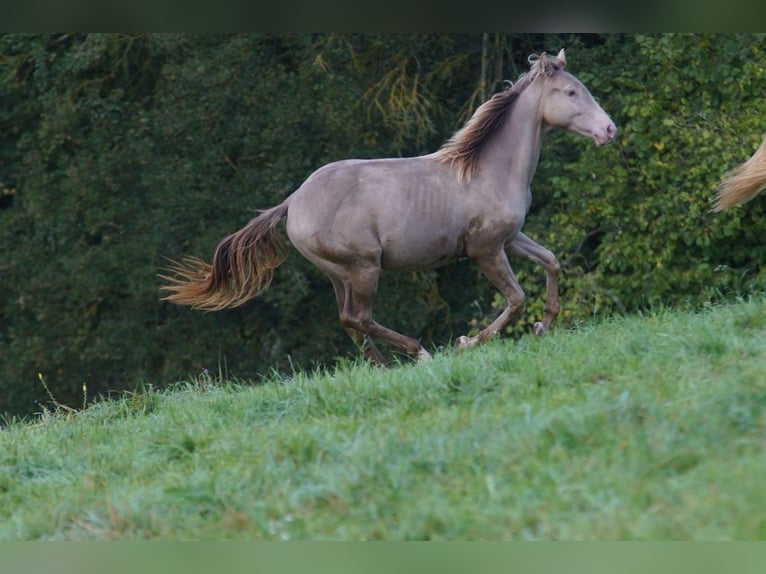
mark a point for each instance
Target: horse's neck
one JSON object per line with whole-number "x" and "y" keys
{"x": 515, "y": 150}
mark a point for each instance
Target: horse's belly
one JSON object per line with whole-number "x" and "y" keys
{"x": 420, "y": 253}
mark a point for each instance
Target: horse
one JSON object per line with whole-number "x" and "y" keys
{"x": 744, "y": 182}
{"x": 356, "y": 217}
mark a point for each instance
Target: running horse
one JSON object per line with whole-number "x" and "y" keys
{"x": 744, "y": 182}
{"x": 354, "y": 218}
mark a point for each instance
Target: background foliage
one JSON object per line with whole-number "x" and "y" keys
{"x": 118, "y": 150}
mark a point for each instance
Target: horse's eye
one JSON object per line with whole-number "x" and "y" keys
{"x": 571, "y": 92}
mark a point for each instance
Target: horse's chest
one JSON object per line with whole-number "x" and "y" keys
{"x": 426, "y": 241}
{"x": 491, "y": 230}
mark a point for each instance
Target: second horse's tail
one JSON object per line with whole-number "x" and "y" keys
{"x": 243, "y": 267}
{"x": 743, "y": 183}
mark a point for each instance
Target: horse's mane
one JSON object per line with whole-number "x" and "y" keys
{"x": 464, "y": 148}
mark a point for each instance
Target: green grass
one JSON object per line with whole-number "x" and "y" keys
{"x": 646, "y": 427}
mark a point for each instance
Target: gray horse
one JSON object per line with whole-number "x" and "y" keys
{"x": 469, "y": 199}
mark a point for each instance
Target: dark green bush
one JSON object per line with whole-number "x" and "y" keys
{"x": 631, "y": 222}
{"x": 119, "y": 151}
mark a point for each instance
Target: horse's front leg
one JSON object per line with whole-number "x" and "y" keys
{"x": 522, "y": 246}
{"x": 498, "y": 271}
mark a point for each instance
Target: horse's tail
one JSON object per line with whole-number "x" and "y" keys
{"x": 743, "y": 183}
{"x": 243, "y": 266}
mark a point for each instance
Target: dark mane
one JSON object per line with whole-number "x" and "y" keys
{"x": 464, "y": 148}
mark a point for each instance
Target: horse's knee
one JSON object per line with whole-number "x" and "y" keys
{"x": 550, "y": 262}
{"x": 517, "y": 300}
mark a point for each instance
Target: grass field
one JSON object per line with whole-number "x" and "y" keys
{"x": 648, "y": 427}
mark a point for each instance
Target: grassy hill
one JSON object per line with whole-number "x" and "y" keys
{"x": 648, "y": 427}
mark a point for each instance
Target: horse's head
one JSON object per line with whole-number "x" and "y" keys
{"x": 566, "y": 103}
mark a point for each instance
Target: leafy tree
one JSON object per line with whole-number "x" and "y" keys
{"x": 122, "y": 150}
{"x": 632, "y": 221}
{"x": 118, "y": 151}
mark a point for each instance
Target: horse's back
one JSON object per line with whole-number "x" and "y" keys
{"x": 401, "y": 212}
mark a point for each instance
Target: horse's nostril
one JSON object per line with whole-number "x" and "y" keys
{"x": 611, "y": 129}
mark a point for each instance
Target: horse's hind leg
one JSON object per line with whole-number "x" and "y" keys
{"x": 498, "y": 271}
{"x": 360, "y": 288}
{"x": 522, "y": 246}
{"x": 365, "y": 343}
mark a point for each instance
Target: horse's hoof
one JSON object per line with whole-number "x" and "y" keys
{"x": 424, "y": 356}
{"x": 540, "y": 328}
{"x": 464, "y": 342}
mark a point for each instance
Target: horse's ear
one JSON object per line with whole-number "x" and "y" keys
{"x": 562, "y": 59}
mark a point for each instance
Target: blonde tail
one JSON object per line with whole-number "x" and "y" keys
{"x": 243, "y": 267}
{"x": 743, "y": 183}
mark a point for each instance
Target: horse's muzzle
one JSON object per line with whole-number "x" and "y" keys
{"x": 607, "y": 135}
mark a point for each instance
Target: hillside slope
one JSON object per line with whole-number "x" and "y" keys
{"x": 646, "y": 427}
